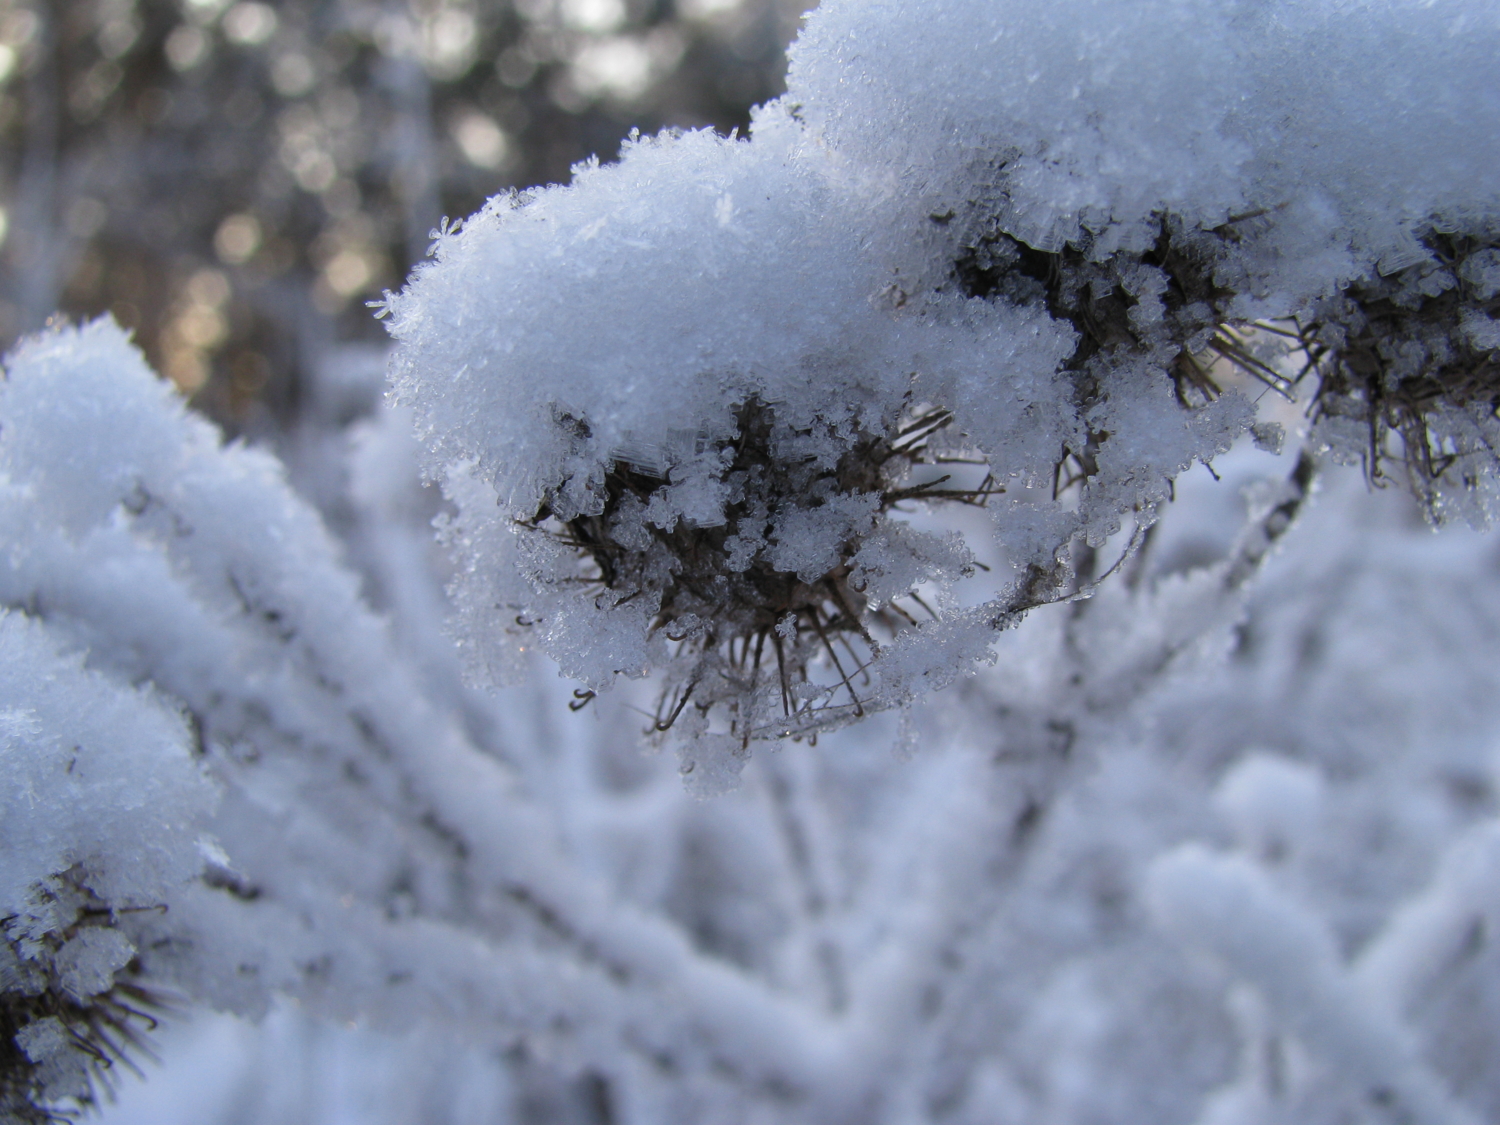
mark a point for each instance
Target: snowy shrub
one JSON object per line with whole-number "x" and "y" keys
{"x": 799, "y": 429}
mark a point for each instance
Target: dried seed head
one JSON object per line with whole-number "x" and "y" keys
{"x": 66, "y": 1024}
{"x": 1405, "y": 366}
{"x": 1409, "y": 374}
{"x": 772, "y": 557}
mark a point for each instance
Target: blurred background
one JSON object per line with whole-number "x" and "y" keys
{"x": 235, "y": 180}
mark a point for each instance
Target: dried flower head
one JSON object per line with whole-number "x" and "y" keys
{"x": 800, "y": 562}
{"x": 1408, "y": 369}
{"x": 72, "y": 1006}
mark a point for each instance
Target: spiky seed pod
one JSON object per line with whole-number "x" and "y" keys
{"x": 1408, "y": 368}
{"x": 1405, "y": 366}
{"x": 747, "y": 608}
{"x": 66, "y": 1025}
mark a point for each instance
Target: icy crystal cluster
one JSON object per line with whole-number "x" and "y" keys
{"x": 980, "y": 253}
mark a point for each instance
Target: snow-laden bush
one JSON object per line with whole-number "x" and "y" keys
{"x": 987, "y": 254}
{"x": 805, "y": 425}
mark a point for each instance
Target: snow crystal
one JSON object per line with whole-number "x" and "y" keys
{"x": 87, "y": 964}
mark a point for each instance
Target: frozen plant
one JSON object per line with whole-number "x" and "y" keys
{"x": 999, "y": 255}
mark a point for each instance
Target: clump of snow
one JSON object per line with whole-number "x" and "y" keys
{"x": 1272, "y": 804}
{"x": 96, "y": 771}
{"x": 100, "y": 816}
{"x": 1082, "y": 121}
{"x": 715, "y": 473}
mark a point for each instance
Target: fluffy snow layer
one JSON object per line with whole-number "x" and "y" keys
{"x": 95, "y": 772}
{"x": 570, "y": 346}
{"x": 1357, "y": 122}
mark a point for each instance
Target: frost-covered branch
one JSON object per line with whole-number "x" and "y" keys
{"x": 291, "y": 688}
